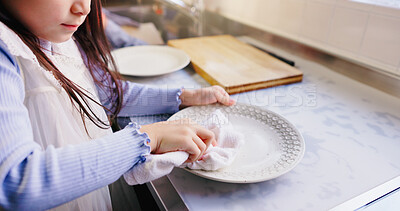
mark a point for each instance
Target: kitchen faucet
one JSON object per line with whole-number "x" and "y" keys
{"x": 193, "y": 9}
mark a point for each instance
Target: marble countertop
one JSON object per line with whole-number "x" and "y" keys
{"x": 351, "y": 132}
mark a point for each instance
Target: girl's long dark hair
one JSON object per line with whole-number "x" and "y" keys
{"x": 92, "y": 41}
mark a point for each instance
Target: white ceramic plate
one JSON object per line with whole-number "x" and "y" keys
{"x": 149, "y": 60}
{"x": 273, "y": 146}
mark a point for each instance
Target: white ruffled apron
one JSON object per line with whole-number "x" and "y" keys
{"x": 55, "y": 121}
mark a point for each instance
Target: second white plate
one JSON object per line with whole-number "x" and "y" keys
{"x": 149, "y": 60}
{"x": 273, "y": 146}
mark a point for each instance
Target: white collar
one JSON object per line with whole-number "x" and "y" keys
{"x": 14, "y": 43}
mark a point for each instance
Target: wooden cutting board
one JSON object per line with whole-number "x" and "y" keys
{"x": 236, "y": 66}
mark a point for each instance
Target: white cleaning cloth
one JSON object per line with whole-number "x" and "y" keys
{"x": 229, "y": 142}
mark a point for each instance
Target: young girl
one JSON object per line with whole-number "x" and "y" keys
{"x": 56, "y": 89}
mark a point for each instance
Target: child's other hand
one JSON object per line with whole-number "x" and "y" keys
{"x": 205, "y": 96}
{"x": 179, "y": 135}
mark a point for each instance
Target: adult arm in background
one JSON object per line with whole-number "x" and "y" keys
{"x": 117, "y": 37}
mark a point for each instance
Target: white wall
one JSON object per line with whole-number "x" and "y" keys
{"x": 364, "y": 33}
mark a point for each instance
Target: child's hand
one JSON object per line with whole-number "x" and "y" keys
{"x": 205, "y": 96}
{"x": 179, "y": 135}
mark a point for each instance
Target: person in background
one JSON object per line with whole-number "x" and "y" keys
{"x": 117, "y": 37}
{"x": 57, "y": 91}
